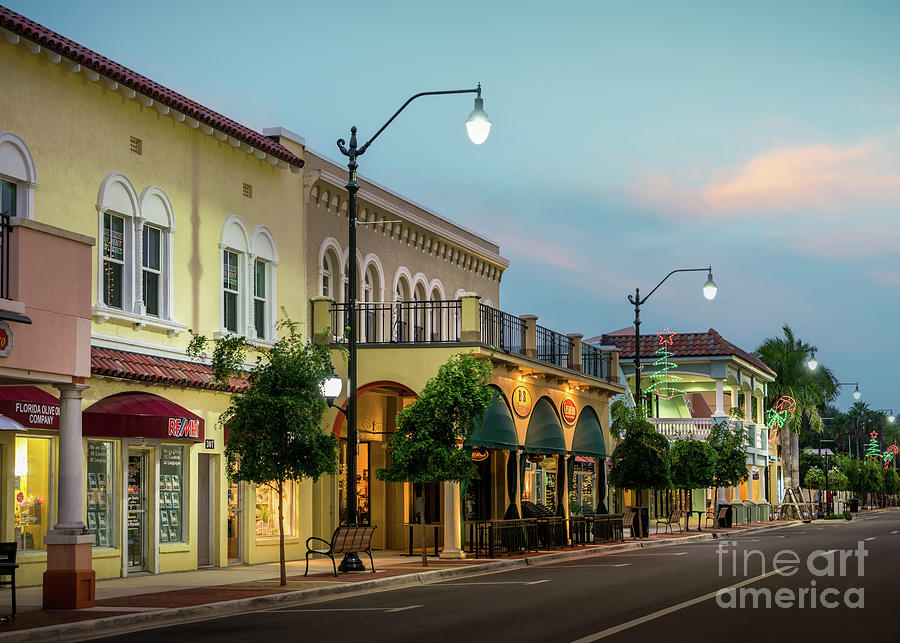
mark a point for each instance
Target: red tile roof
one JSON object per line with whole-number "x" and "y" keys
{"x": 109, "y": 362}
{"x": 61, "y": 45}
{"x": 708, "y": 344}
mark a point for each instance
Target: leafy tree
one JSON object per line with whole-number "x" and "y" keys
{"x": 856, "y": 480}
{"x": 890, "y": 482}
{"x": 641, "y": 460}
{"x": 808, "y": 461}
{"x": 788, "y": 356}
{"x": 693, "y": 466}
{"x": 730, "y": 446}
{"x": 273, "y": 426}
{"x": 837, "y": 479}
{"x": 427, "y": 446}
{"x": 814, "y": 478}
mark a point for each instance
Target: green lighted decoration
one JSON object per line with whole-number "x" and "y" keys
{"x": 777, "y": 415}
{"x": 663, "y": 380}
{"x": 872, "y": 449}
{"x": 889, "y": 454}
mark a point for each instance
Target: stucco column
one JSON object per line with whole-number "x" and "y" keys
{"x": 452, "y": 522}
{"x": 720, "y": 399}
{"x": 69, "y": 580}
{"x": 470, "y": 317}
{"x": 529, "y": 341}
{"x": 735, "y": 396}
{"x": 321, "y": 320}
{"x": 575, "y": 352}
{"x": 71, "y": 457}
{"x": 748, "y": 406}
{"x": 138, "y": 245}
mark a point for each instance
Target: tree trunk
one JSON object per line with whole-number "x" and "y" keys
{"x": 283, "y": 580}
{"x": 785, "y": 438}
{"x": 640, "y": 530}
{"x": 424, "y": 544}
{"x": 795, "y": 458}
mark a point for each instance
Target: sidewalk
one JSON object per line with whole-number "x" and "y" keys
{"x": 147, "y": 600}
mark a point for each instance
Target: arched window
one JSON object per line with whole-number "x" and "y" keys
{"x": 18, "y": 177}
{"x": 157, "y": 224}
{"x": 234, "y": 245}
{"x": 264, "y": 259}
{"x": 119, "y": 216}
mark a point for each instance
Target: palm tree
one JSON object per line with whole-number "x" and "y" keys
{"x": 811, "y": 390}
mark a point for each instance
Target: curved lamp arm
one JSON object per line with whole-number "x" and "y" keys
{"x": 352, "y": 152}
{"x": 639, "y": 301}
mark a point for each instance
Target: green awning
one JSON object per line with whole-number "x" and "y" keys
{"x": 497, "y": 430}
{"x": 588, "y": 439}
{"x": 545, "y": 434}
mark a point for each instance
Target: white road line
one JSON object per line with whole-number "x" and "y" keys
{"x": 589, "y": 566}
{"x": 894, "y": 532}
{"x": 351, "y": 609}
{"x": 538, "y": 582}
{"x": 641, "y": 553}
{"x": 674, "y": 608}
{"x": 871, "y": 538}
{"x": 498, "y": 582}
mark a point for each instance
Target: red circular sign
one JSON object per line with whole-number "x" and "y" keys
{"x": 4, "y": 339}
{"x": 569, "y": 410}
{"x": 20, "y": 497}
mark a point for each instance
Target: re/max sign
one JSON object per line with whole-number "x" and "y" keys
{"x": 184, "y": 428}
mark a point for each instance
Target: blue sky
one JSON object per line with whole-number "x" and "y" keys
{"x": 761, "y": 138}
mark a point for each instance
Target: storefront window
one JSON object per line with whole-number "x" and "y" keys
{"x": 582, "y": 491}
{"x": 171, "y": 495}
{"x": 32, "y": 492}
{"x": 267, "y": 510}
{"x": 362, "y": 484}
{"x": 100, "y": 491}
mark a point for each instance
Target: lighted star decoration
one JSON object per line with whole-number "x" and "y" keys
{"x": 889, "y": 455}
{"x": 777, "y": 415}
{"x": 666, "y": 337}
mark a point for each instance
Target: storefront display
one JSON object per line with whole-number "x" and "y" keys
{"x": 31, "y": 492}
{"x": 362, "y": 484}
{"x": 582, "y": 491}
{"x": 100, "y": 456}
{"x": 171, "y": 494}
{"x": 267, "y": 510}
{"x": 540, "y": 481}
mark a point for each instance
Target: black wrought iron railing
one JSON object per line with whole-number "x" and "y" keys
{"x": 553, "y": 347}
{"x": 596, "y": 362}
{"x": 502, "y": 330}
{"x": 399, "y": 322}
{"x": 5, "y": 229}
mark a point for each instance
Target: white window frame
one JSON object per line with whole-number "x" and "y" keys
{"x": 159, "y": 272}
{"x": 263, "y": 249}
{"x": 118, "y": 197}
{"x": 239, "y": 308}
{"x": 261, "y": 333}
{"x": 17, "y": 166}
{"x": 123, "y": 263}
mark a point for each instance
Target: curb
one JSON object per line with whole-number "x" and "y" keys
{"x": 125, "y": 623}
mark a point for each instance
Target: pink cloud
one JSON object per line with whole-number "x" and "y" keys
{"x": 823, "y": 178}
{"x": 857, "y": 240}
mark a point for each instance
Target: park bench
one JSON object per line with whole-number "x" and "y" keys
{"x": 718, "y": 519}
{"x": 344, "y": 540}
{"x": 674, "y": 518}
{"x": 628, "y": 522}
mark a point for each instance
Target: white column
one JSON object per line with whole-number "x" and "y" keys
{"x": 138, "y": 275}
{"x": 452, "y": 522}
{"x": 720, "y": 399}
{"x": 71, "y": 457}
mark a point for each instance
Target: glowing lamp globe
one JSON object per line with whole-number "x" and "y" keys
{"x": 710, "y": 288}
{"x": 478, "y": 125}
{"x": 331, "y": 387}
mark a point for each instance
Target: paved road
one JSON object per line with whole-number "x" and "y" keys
{"x": 661, "y": 594}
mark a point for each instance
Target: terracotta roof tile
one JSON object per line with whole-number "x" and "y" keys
{"x": 162, "y": 370}
{"x": 708, "y": 344}
{"x": 85, "y": 57}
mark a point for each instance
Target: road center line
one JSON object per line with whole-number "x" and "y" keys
{"x": 871, "y": 538}
{"x": 674, "y": 608}
{"x": 350, "y": 609}
{"x": 894, "y": 532}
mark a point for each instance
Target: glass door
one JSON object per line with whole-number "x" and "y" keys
{"x": 235, "y": 511}
{"x": 137, "y": 511}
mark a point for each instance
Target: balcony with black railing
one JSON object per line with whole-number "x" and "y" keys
{"x": 468, "y": 322}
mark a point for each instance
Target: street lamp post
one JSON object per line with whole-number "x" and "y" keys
{"x": 478, "y": 126}
{"x": 812, "y": 363}
{"x": 709, "y": 291}
{"x": 821, "y": 441}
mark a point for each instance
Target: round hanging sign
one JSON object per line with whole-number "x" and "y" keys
{"x": 569, "y": 410}
{"x": 521, "y": 398}
{"x": 479, "y": 454}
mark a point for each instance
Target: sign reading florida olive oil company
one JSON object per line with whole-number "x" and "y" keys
{"x": 521, "y": 399}
{"x": 569, "y": 410}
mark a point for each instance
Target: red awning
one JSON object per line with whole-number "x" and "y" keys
{"x": 30, "y": 406}
{"x": 141, "y": 415}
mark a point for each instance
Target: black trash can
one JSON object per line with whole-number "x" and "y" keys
{"x": 854, "y": 505}
{"x": 727, "y": 521}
